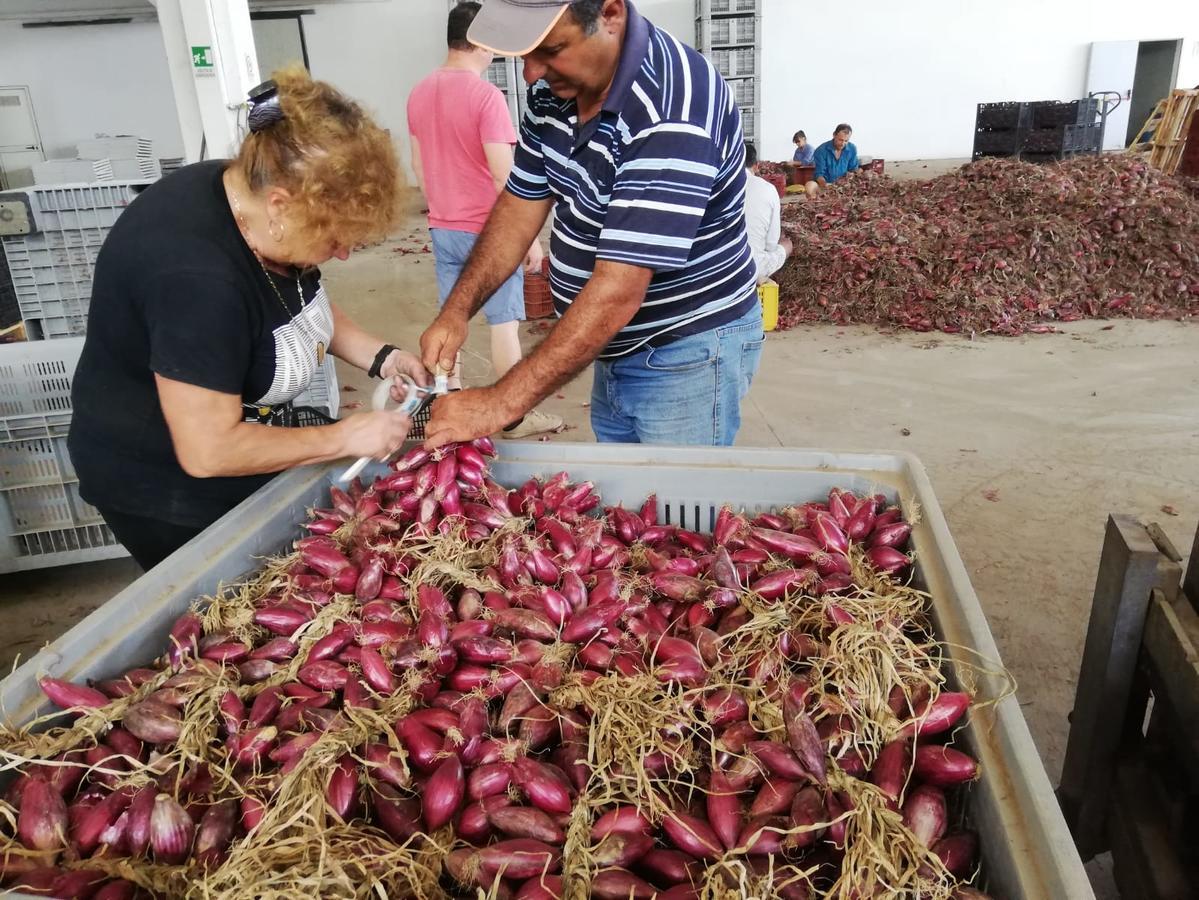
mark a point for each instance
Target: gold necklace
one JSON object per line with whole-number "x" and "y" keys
{"x": 245, "y": 233}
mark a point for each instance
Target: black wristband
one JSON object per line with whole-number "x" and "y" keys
{"x": 380, "y": 358}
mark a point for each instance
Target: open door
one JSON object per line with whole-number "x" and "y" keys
{"x": 1113, "y": 67}
{"x": 1157, "y": 74}
{"x": 20, "y": 143}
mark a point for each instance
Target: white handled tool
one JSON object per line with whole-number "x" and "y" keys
{"x": 416, "y": 400}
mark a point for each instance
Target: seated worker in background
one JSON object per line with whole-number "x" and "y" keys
{"x": 763, "y": 220}
{"x": 835, "y": 158}
{"x": 803, "y": 150}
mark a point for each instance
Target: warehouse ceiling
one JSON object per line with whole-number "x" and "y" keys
{"x": 78, "y": 10}
{"x": 36, "y": 10}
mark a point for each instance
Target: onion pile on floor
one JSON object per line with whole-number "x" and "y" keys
{"x": 452, "y": 688}
{"x": 998, "y": 247}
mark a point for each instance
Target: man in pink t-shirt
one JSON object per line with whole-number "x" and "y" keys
{"x": 462, "y": 139}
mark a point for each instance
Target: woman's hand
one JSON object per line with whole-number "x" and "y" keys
{"x": 401, "y": 362}
{"x": 375, "y": 434}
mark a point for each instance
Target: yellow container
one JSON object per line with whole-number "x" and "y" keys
{"x": 769, "y": 295}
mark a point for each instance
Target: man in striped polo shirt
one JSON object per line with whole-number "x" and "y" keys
{"x": 633, "y": 141}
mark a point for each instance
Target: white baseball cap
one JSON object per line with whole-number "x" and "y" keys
{"x": 514, "y": 27}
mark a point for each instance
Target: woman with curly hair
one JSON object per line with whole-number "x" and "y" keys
{"x": 208, "y": 318}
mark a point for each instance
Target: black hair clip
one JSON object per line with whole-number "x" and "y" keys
{"x": 265, "y": 110}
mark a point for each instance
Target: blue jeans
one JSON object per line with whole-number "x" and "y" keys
{"x": 687, "y": 392}
{"x": 451, "y": 249}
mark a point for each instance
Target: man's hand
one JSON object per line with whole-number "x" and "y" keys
{"x": 466, "y": 415}
{"x": 442, "y": 340}
{"x": 533, "y": 258}
{"x": 787, "y": 246}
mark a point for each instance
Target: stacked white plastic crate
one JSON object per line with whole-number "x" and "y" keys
{"x": 43, "y": 520}
{"x": 51, "y": 238}
{"x": 729, "y": 32}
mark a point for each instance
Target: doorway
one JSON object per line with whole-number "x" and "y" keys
{"x": 278, "y": 40}
{"x": 20, "y": 142}
{"x": 1156, "y": 75}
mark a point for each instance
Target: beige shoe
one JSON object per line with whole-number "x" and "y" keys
{"x": 534, "y": 422}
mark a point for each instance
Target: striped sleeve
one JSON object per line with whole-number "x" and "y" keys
{"x": 528, "y": 179}
{"x": 662, "y": 189}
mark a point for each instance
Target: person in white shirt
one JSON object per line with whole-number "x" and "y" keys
{"x": 763, "y": 220}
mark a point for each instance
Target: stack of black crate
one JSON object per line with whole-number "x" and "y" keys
{"x": 1037, "y": 132}
{"x": 999, "y": 129}
{"x": 1058, "y": 130}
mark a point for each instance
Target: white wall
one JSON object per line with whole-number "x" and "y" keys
{"x": 93, "y": 78}
{"x": 908, "y": 75}
{"x": 676, "y": 16}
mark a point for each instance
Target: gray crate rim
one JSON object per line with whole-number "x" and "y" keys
{"x": 1030, "y": 854}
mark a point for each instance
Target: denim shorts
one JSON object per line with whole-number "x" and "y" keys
{"x": 451, "y": 249}
{"x": 685, "y": 392}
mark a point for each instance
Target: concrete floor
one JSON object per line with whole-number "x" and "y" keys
{"x": 1029, "y": 442}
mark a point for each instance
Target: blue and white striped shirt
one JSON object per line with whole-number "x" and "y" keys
{"x": 656, "y": 179}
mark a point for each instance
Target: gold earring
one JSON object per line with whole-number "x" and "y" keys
{"x": 271, "y": 225}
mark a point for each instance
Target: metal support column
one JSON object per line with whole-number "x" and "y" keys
{"x": 213, "y": 64}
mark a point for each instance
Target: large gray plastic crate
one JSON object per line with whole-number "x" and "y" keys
{"x": 53, "y": 267}
{"x": 734, "y": 63}
{"x": 739, "y": 31}
{"x": 1027, "y": 849}
{"x": 57, "y": 207}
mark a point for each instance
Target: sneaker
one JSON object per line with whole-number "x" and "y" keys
{"x": 534, "y": 422}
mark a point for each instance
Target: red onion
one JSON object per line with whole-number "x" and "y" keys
{"x": 944, "y": 766}
{"x": 939, "y": 716}
{"x": 68, "y": 695}
{"x": 42, "y": 822}
{"x": 692, "y": 835}
{"x": 519, "y": 858}
{"x": 621, "y": 884}
{"x": 526, "y": 822}
{"x": 924, "y": 814}
{"x": 545, "y": 785}
{"x": 171, "y": 831}
{"x": 724, "y": 809}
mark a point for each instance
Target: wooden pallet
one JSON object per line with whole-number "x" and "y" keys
{"x": 1130, "y": 781}
{"x": 1170, "y": 136}
{"x": 12, "y": 334}
{"x": 1143, "y": 142}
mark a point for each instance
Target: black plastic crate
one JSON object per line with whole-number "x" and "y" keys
{"x": 1044, "y": 157}
{"x": 1002, "y": 116}
{"x": 987, "y": 154}
{"x": 997, "y": 141}
{"x": 1047, "y": 140}
{"x": 1084, "y": 138}
{"x": 1055, "y": 113}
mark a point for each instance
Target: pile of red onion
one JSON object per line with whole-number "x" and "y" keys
{"x": 997, "y": 247}
{"x": 452, "y": 686}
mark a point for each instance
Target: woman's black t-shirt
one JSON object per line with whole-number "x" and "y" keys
{"x": 178, "y": 292}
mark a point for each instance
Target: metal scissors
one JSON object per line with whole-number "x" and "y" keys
{"x": 418, "y": 399}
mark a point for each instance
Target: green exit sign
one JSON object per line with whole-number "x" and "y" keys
{"x": 202, "y": 57}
